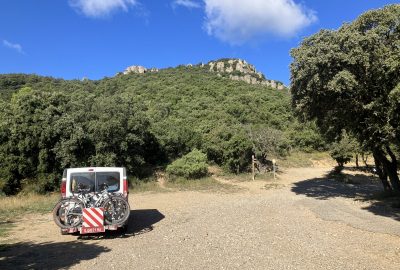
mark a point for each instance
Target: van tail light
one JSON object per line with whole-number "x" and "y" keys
{"x": 126, "y": 190}
{"x": 63, "y": 188}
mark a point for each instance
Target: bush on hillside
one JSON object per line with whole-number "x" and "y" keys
{"x": 229, "y": 147}
{"x": 191, "y": 166}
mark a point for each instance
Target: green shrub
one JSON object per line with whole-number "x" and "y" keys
{"x": 229, "y": 147}
{"x": 191, "y": 166}
{"x": 342, "y": 151}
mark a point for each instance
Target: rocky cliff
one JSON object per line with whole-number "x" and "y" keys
{"x": 240, "y": 70}
{"x": 139, "y": 69}
{"x": 234, "y": 69}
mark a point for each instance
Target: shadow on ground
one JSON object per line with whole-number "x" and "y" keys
{"x": 140, "y": 221}
{"x": 366, "y": 169}
{"x": 354, "y": 186}
{"x": 48, "y": 255}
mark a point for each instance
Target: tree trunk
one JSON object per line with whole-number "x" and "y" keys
{"x": 392, "y": 170}
{"x": 364, "y": 159}
{"x": 357, "y": 161}
{"x": 380, "y": 170}
{"x": 390, "y": 167}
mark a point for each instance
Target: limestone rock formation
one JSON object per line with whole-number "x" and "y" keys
{"x": 139, "y": 70}
{"x": 240, "y": 70}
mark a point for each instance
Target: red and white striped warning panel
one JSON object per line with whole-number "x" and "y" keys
{"x": 93, "y": 220}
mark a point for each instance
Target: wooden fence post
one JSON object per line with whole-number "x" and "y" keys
{"x": 274, "y": 167}
{"x": 252, "y": 168}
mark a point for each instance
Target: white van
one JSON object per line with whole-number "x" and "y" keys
{"x": 92, "y": 178}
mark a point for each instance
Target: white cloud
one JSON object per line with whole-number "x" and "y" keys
{"x": 101, "y": 8}
{"x": 236, "y": 21}
{"x": 186, "y": 3}
{"x": 14, "y": 46}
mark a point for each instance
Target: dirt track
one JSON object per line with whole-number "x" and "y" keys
{"x": 303, "y": 221}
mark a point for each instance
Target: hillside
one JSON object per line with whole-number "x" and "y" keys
{"x": 138, "y": 120}
{"x": 234, "y": 69}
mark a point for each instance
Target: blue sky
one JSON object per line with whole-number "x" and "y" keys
{"x": 73, "y": 39}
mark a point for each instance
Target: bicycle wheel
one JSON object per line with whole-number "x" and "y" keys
{"x": 68, "y": 213}
{"x": 116, "y": 210}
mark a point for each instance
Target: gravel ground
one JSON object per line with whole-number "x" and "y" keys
{"x": 299, "y": 223}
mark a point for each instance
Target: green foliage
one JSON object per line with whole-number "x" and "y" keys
{"x": 229, "y": 146}
{"x": 344, "y": 78}
{"x": 137, "y": 121}
{"x": 394, "y": 109}
{"x": 191, "y": 166}
{"x": 349, "y": 79}
{"x": 269, "y": 143}
{"x": 43, "y": 132}
{"x": 237, "y": 153}
{"x": 343, "y": 150}
{"x": 305, "y": 137}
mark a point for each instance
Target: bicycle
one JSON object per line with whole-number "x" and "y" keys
{"x": 67, "y": 213}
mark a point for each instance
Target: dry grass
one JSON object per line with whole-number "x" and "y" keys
{"x": 31, "y": 203}
{"x": 151, "y": 186}
{"x": 274, "y": 186}
{"x": 203, "y": 184}
{"x": 302, "y": 159}
{"x": 241, "y": 177}
{"x": 246, "y": 177}
{"x": 15, "y": 206}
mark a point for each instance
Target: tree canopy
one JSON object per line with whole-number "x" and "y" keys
{"x": 348, "y": 79}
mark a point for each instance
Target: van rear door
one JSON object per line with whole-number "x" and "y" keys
{"x": 93, "y": 179}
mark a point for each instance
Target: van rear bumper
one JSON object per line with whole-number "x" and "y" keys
{"x": 106, "y": 227}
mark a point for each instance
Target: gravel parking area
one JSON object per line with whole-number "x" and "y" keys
{"x": 301, "y": 223}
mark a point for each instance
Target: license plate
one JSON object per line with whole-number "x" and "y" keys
{"x": 92, "y": 230}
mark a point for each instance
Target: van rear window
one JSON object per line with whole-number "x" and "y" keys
{"x": 111, "y": 179}
{"x": 82, "y": 181}
{"x": 94, "y": 181}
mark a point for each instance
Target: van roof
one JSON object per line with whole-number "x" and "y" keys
{"x": 94, "y": 169}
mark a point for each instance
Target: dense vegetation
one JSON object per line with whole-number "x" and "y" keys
{"x": 193, "y": 165}
{"x": 139, "y": 121}
{"x": 348, "y": 81}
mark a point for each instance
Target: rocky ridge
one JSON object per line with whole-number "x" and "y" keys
{"x": 240, "y": 70}
{"x": 234, "y": 69}
{"x": 139, "y": 70}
